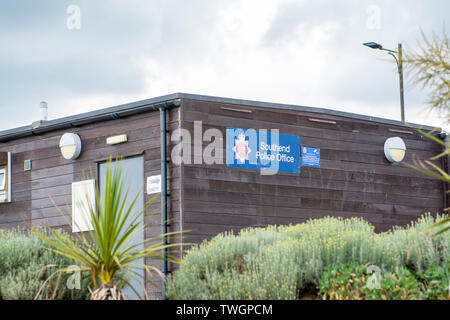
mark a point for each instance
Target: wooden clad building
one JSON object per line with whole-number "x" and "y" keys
{"x": 354, "y": 177}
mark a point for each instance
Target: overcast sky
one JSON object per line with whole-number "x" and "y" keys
{"x": 288, "y": 51}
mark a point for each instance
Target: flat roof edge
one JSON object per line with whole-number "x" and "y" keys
{"x": 87, "y": 117}
{"x": 252, "y": 103}
{"x": 145, "y": 105}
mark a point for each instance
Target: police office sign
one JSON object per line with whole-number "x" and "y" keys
{"x": 270, "y": 152}
{"x": 267, "y": 151}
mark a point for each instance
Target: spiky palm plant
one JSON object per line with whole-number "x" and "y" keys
{"x": 430, "y": 67}
{"x": 431, "y": 169}
{"x": 106, "y": 250}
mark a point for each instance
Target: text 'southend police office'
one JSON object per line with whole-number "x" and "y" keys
{"x": 263, "y": 150}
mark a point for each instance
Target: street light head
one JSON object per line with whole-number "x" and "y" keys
{"x": 398, "y": 59}
{"x": 373, "y": 45}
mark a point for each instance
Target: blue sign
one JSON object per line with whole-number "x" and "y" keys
{"x": 310, "y": 157}
{"x": 263, "y": 150}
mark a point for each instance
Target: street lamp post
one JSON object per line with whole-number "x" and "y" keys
{"x": 399, "y": 61}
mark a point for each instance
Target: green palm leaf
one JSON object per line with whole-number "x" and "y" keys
{"x": 105, "y": 250}
{"x": 431, "y": 169}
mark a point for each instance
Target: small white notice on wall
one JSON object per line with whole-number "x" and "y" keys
{"x": 154, "y": 184}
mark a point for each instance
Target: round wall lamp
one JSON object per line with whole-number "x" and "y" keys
{"x": 70, "y": 146}
{"x": 394, "y": 149}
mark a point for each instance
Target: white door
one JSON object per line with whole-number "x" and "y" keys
{"x": 133, "y": 177}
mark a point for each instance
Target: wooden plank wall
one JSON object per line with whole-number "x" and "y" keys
{"x": 355, "y": 179}
{"x": 51, "y": 175}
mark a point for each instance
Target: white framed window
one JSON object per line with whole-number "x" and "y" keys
{"x": 5, "y": 177}
{"x": 83, "y": 199}
{"x": 2, "y": 179}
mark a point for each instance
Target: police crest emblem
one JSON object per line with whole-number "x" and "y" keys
{"x": 241, "y": 149}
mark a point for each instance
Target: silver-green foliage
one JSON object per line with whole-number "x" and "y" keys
{"x": 23, "y": 261}
{"x": 278, "y": 262}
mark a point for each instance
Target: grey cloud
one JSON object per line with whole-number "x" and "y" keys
{"x": 291, "y": 15}
{"x": 356, "y": 72}
{"x": 41, "y": 59}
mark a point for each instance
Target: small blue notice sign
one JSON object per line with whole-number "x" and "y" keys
{"x": 310, "y": 157}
